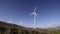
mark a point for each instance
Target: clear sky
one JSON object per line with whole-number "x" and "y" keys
{"x": 18, "y": 12}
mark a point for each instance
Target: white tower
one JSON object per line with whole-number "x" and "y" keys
{"x": 34, "y": 14}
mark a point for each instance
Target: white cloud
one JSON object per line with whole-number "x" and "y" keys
{"x": 21, "y": 23}
{"x": 54, "y": 24}
{"x": 9, "y": 21}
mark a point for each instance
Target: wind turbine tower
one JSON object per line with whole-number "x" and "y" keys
{"x": 35, "y": 15}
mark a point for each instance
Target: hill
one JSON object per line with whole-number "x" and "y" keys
{"x": 7, "y": 28}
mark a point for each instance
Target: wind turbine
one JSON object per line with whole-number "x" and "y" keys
{"x": 35, "y": 15}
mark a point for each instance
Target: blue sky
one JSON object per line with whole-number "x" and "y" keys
{"x": 18, "y": 12}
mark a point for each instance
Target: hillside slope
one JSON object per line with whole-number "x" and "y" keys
{"x": 7, "y": 28}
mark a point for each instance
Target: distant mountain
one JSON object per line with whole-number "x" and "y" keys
{"x": 54, "y": 28}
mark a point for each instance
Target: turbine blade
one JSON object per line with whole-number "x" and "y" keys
{"x": 35, "y": 8}
{"x": 34, "y": 13}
